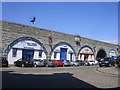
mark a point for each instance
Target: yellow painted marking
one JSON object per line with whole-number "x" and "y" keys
{"x": 95, "y": 69}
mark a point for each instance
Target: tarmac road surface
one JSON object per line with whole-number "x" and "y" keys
{"x": 57, "y": 77}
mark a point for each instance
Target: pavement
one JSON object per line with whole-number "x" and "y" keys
{"x": 112, "y": 71}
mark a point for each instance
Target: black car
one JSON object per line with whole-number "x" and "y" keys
{"x": 23, "y": 63}
{"x": 3, "y": 61}
{"x": 107, "y": 62}
{"x": 82, "y": 63}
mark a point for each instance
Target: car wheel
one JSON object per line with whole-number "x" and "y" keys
{"x": 23, "y": 65}
{"x": 100, "y": 65}
{"x": 55, "y": 65}
{"x": 15, "y": 64}
{"x": 35, "y": 65}
{"x": 116, "y": 65}
{"x": 46, "y": 65}
{"x": 110, "y": 65}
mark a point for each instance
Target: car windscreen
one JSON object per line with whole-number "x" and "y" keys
{"x": 67, "y": 61}
{"x": 27, "y": 60}
{"x": 41, "y": 61}
{"x": 36, "y": 60}
{"x": 2, "y": 58}
{"x": 51, "y": 61}
{"x": 20, "y": 60}
{"x": 91, "y": 61}
{"x": 60, "y": 61}
{"x": 107, "y": 59}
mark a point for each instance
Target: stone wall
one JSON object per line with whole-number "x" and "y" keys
{"x": 12, "y": 31}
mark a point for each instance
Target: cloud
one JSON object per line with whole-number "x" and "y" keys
{"x": 110, "y": 41}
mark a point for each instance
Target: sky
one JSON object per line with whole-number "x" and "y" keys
{"x": 94, "y": 20}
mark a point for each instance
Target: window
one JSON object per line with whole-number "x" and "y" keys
{"x": 55, "y": 54}
{"x": 71, "y": 56}
{"x": 14, "y": 53}
{"x": 40, "y": 54}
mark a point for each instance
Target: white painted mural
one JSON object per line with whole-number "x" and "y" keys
{"x": 86, "y": 54}
{"x": 26, "y": 44}
{"x": 58, "y": 50}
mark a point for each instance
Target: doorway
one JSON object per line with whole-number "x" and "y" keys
{"x": 86, "y": 57}
{"x": 27, "y": 54}
{"x": 63, "y": 54}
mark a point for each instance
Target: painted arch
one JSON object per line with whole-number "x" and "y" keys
{"x": 22, "y": 39}
{"x": 25, "y": 48}
{"x": 86, "y": 53}
{"x": 59, "y": 49}
{"x": 113, "y": 53}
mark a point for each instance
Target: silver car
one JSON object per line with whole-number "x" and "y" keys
{"x": 38, "y": 62}
{"x": 75, "y": 63}
{"x": 66, "y": 63}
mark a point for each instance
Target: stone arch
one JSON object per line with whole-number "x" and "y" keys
{"x": 57, "y": 48}
{"x": 86, "y": 53}
{"x": 22, "y": 39}
{"x": 25, "y": 48}
{"x": 101, "y": 54}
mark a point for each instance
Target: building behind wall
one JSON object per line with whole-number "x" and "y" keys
{"x": 38, "y": 43}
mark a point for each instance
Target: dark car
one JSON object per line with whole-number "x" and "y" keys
{"x": 82, "y": 63}
{"x": 49, "y": 63}
{"x": 3, "y": 61}
{"x": 107, "y": 62}
{"x": 66, "y": 62}
{"x": 38, "y": 62}
{"x": 23, "y": 63}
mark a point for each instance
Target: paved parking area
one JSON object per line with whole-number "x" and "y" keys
{"x": 57, "y": 77}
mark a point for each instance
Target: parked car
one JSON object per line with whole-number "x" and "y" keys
{"x": 107, "y": 62}
{"x": 117, "y": 62}
{"x": 48, "y": 63}
{"x": 66, "y": 63}
{"x": 86, "y": 63}
{"x": 72, "y": 63}
{"x": 38, "y": 62}
{"x": 93, "y": 62}
{"x": 82, "y": 62}
{"x": 58, "y": 62}
{"x": 3, "y": 62}
{"x": 76, "y": 63}
{"x": 23, "y": 63}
